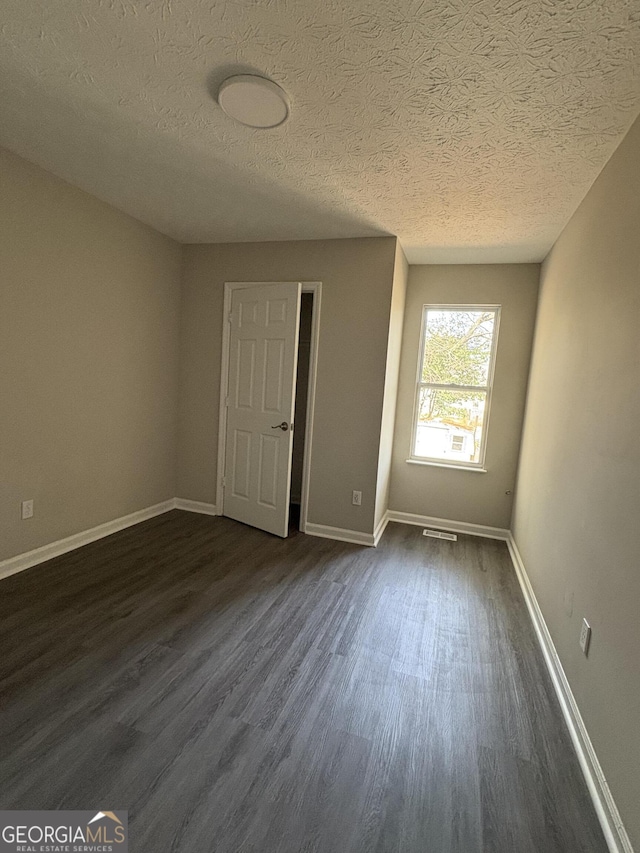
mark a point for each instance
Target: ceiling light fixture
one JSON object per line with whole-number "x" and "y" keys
{"x": 254, "y": 101}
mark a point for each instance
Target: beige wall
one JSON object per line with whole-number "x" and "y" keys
{"x": 468, "y": 496}
{"x": 88, "y": 352}
{"x": 577, "y": 511}
{"x": 394, "y": 347}
{"x": 357, "y": 277}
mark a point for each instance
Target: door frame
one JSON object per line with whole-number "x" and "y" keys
{"x": 314, "y": 287}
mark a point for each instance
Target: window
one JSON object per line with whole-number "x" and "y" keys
{"x": 453, "y": 390}
{"x": 457, "y": 443}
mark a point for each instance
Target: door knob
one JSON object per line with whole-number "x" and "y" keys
{"x": 284, "y": 426}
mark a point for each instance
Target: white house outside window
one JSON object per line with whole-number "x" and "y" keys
{"x": 453, "y": 389}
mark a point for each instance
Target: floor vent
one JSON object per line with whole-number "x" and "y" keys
{"x": 439, "y": 534}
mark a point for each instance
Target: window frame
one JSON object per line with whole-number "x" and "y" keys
{"x": 487, "y": 389}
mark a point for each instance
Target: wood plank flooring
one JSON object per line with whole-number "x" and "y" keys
{"x": 242, "y": 694}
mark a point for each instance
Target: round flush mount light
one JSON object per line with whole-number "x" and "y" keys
{"x": 254, "y": 101}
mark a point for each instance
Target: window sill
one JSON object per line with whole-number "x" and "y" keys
{"x": 448, "y": 465}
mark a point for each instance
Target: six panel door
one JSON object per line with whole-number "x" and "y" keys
{"x": 263, "y": 350}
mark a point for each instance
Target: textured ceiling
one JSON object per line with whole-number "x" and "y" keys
{"x": 469, "y": 128}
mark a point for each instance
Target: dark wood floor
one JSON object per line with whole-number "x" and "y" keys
{"x": 238, "y": 693}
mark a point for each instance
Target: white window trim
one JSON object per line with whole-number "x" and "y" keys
{"x": 461, "y": 466}
{"x": 488, "y": 389}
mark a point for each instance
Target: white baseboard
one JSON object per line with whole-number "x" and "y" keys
{"x": 380, "y": 529}
{"x": 615, "y": 834}
{"x": 54, "y": 549}
{"x": 339, "y": 533}
{"x": 372, "y": 539}
{"x": 448, "y": 524}
{"x": 196, "y": 506}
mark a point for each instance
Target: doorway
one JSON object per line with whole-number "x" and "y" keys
{"x": 252, "y": 451}
{"x": 301, "y": 402}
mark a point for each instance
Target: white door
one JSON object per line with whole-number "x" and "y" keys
{"x": 263, "y": 354}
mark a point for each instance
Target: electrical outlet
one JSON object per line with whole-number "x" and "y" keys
{"x": 356, "y": 498}
{"x": 585, "y": 636}
{"x": 27, "y": 509}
